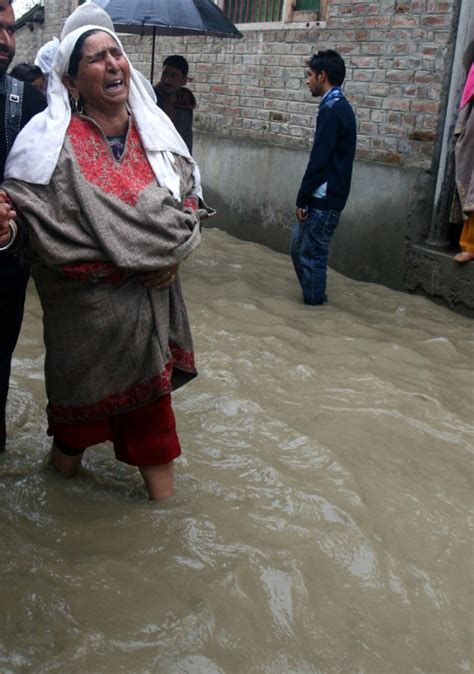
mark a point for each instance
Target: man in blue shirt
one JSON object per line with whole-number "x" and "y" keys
{"x": 327, "y": 179}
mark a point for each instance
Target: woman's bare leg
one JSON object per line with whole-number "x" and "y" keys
{"x": 158, "y": 480}
{"x": 64, "y": 464}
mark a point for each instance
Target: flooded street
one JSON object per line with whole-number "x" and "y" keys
{"x": 321, "y": 522}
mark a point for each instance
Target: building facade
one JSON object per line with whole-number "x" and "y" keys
{"x": 406, "y": 65}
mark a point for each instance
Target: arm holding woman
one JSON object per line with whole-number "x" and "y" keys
{"x": 8, "y": 227}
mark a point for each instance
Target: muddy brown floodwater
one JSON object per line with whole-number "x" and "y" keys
{"x": 321, "y": 522}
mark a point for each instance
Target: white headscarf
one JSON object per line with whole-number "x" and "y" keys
{"x": 90, "y": 14}
{"x": 45, "y": 56}
{"x": 36, "y": 150}
{"x": 87, "y": 14}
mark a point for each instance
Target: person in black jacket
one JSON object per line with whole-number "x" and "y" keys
{"x": 325, "y": 186}
{"x": 19, "y": 102}
{"x": 28, "y": 72}
{"x": 175, "y": 99}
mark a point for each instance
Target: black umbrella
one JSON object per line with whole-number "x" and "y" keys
{"x": 170, "y": 17}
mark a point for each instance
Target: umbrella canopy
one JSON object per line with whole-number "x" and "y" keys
{"x": 170, "y": 17}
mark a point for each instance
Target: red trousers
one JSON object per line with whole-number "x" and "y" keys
{"x": 143, "y": 437}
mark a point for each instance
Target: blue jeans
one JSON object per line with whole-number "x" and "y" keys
{"x": 309, "y": 252}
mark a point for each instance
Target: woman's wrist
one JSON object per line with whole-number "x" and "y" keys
{"x": 13, "y": 232}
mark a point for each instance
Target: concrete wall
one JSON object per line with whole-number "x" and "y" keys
{"x": 435, "y": 273}
{"x": 253, "y": 187}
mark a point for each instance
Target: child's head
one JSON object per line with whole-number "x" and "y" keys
{"x": 174, "y": 74}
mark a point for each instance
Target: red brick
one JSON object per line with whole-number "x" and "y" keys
{"x": 364, "y": 61}
{"x": 393, "y": 103}
{"x": 404, "y": 21}
{"x": 366, "y": 9}
{"x": 439, "y": 7}
{"x": 388, "y": 130}
{"x": 218, "y": 89}
{"x": 373, "y": 48}
{"x": 408, "y": 119}
{"x": 361, "y": 75}
{"x": 353, "y": 48}
{"x": 429, "y": 51}
{"x": 425, "y": 106}
{"x": 377, "y": 21}
{"x": 436, "y": 21}
{"x": 394, "y": 117}
{"x": 402, "y": 7}
{"x": 402, "y": 76}
{"x": 410, "y": 90}
{"x": 422, "y": 136}
{"x": 430, "y": 122}
{"x": 422, "y": 77}
{"x": 371, "y": 102}
{"x": 378, "y": 89}
{"x": 363, "y": 153}
{"x": 368, "y": 128}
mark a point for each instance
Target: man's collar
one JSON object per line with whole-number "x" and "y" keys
{"x": 335, "y": 93}
{"x": 327, "y": 93}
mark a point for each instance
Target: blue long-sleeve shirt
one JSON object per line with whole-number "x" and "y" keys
{"x": 332, "y": 156}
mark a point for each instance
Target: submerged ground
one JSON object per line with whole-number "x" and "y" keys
{"x": 321, "y": 517}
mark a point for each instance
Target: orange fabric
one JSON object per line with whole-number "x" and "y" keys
{"x": 467, "y": 235}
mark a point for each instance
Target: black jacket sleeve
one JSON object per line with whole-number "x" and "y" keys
{"x": 325, "y": 139}
{"x": 33, "y": 102}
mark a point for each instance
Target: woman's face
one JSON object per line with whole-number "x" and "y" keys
{"x": 103, "y": 79}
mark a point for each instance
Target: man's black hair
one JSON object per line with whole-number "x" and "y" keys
{"x": 26, "y": 72}
{"x": 178, "y": 62}
{"x": 331, "y": 63}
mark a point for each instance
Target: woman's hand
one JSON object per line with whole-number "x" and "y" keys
{"x": 6, "y": 214}
{"x": 163, "y": 278}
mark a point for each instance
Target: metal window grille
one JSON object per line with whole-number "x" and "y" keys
{"x": 307, "y": 5}
{"x": 253, "y": 11}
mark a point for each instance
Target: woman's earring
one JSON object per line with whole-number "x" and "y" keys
{"x": 76, "y": 105}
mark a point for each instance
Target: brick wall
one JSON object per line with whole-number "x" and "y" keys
{"x": 397, "y": 58}
{"x": 397, "y": 54}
